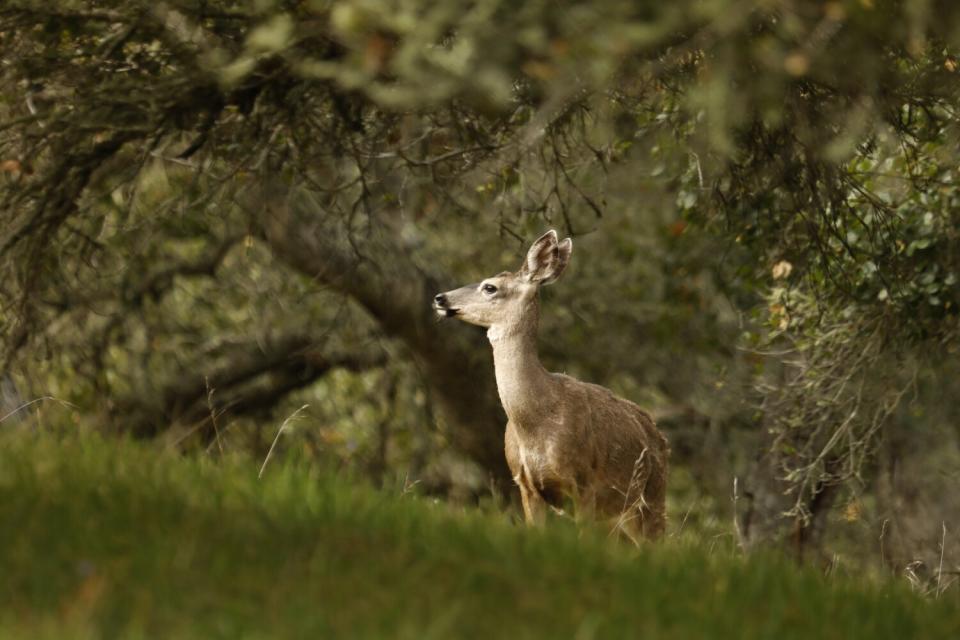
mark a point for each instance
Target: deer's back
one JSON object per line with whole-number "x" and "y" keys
{"x": 617, "y": 446}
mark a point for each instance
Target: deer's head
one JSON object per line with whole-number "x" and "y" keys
{"x": 504, "y": 299}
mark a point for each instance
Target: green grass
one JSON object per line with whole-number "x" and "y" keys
{"x": 106, "y": 539}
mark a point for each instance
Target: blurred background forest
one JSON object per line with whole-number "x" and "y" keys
{"x": 223, "y": 223}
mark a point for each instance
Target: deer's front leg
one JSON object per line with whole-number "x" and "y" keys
{"x": 534, "y": 506}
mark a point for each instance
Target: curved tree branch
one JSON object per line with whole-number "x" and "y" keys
{"x": 254, "y": 377}
{"x": 377, "y": 272}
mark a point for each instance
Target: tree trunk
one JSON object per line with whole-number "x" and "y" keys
{"x": 375, "y": 270}
{"x": 763, "y": 521}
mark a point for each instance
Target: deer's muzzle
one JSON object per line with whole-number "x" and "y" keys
{"x": 442, "y": 306}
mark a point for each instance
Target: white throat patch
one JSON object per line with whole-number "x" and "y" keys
{"x": 495, "y": 333}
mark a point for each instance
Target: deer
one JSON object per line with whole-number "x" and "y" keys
{"x": 566, "y": 441}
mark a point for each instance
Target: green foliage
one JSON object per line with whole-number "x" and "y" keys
{"x": 105, "y": 539}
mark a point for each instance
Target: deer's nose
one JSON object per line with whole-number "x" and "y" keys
{"x": 440, "y": 300}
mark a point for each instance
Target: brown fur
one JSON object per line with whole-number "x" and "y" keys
{"x": 564, "y": 438}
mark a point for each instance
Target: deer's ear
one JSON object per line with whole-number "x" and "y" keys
{"x": 564, "y": 251}
{"x": 546, "y": 259}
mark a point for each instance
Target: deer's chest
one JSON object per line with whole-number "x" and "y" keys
{"x": 543, "y": 465}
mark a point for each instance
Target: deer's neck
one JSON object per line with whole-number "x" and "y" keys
{"x": 524, "y": 385}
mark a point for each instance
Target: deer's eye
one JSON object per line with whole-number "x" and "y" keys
{"x": 488, "y": 289}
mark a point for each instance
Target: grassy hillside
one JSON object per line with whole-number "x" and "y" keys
{"x": 104, "y": 540}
